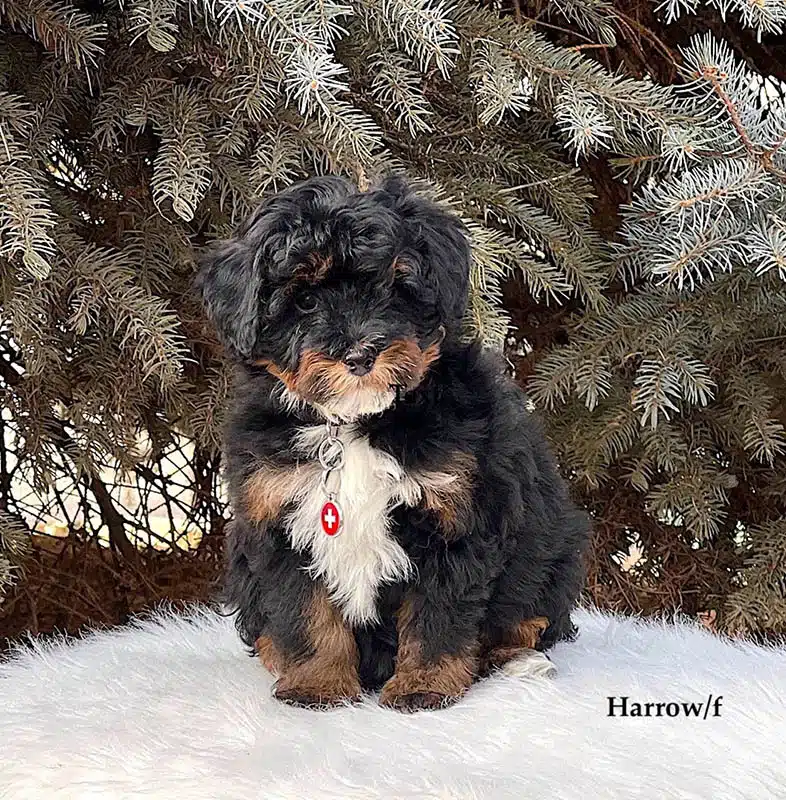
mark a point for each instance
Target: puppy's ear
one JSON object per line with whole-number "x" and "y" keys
{"x": 438, "y": 239}
{"x": 230, "y": 284}
{"x": 234, "y": 273}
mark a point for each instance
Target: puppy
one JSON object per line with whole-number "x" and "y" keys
{"x": 399, "y": 523}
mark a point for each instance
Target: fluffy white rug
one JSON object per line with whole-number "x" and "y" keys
{"x": 172, "y": 708}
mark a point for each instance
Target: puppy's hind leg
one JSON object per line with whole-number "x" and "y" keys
{"x": 525, "y": 618}
{"x": 514, "y": 651}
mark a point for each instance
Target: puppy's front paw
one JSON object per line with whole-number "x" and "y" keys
{"x": 417, "y": 701}
{"x": 315, "y": 697}
{"x": 414, "y": 692}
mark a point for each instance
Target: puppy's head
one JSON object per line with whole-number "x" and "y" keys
{"x": 342, "y": 295}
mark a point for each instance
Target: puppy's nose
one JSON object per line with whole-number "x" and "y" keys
{"x": 360, "y": 362}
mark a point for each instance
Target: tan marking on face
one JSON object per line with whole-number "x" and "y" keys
{"x": 329, "y": 673}
{"x": 315, "y": 268}
{"x": 269, "y": 488}
{"x": 320, "y": 378}
{"x": 401, "y": 266}
{"x": 287, "y": 376}
{"x": 403, "y": 363}
{"x": 450, "y": 675}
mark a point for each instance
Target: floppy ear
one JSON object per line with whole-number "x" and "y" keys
{"x": 230, "y": 283}
{"x": 233, "y": 273}
{"x": 440, "y": 241}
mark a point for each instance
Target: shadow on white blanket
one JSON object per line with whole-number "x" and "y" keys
{"x": 173, "y": 708}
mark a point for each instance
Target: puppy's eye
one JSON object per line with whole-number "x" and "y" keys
{"x": 306, "y": 302}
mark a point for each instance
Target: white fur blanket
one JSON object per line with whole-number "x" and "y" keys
{"x": 173, "y": 708}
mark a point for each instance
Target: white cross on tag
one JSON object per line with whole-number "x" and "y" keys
{"x": 330, "y": 518}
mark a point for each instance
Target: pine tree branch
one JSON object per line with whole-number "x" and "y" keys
{"x": 62, "y": 439}
{"x": 645, "y": 32}
{"x": 731, "y": 109}
{"x": 536, "y": 54}
{"x": 114, "y": 521}
{"x": 60, "y": 27}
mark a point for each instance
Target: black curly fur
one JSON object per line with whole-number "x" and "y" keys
{"x": 520, "y": 551}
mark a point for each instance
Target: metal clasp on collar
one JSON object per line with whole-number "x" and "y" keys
{"x": 331, "y": 455}
{"x": 331, "y": 450}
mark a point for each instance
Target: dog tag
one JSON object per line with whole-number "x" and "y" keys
{"x": 331, "y": 518}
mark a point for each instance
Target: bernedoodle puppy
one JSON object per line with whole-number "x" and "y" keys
{"x": 399, "y": 523}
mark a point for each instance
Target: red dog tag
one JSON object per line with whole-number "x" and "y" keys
{"x": 331, "y": 518}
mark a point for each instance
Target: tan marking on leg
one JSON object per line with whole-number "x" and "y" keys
{"x": 512, "y": 644}
{"x": 268, "y": 489}
{"x": 448, "y": 492}
{"x": 329, "y": 675}
{"x": 274, "y": 660}
{"x": 527, "y": 633}
{"x": 420, "y": 684}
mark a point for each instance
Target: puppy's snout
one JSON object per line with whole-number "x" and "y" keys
{"x": 360, "y": 360}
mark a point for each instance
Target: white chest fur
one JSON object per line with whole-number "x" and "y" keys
{"x": 364, "y": 555}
